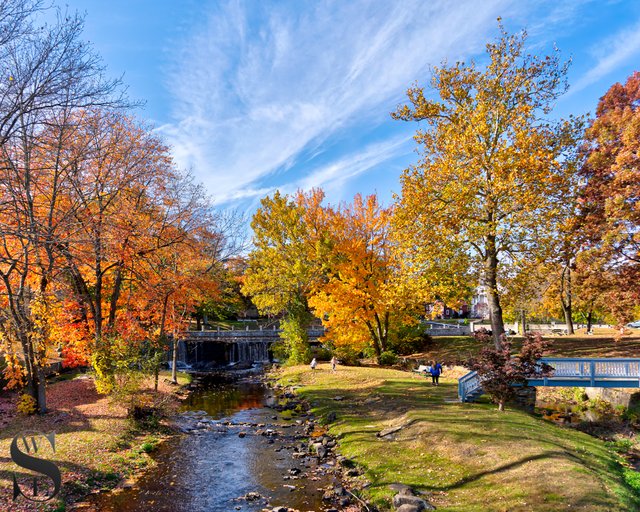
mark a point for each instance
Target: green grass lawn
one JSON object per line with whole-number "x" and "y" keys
{"x": 457, "y": 349}
{"x": 469, "y": 456}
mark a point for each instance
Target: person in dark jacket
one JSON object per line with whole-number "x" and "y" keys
{"x": 436, "y": 370}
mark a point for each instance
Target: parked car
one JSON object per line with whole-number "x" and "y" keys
{"x": 635, "y": 325}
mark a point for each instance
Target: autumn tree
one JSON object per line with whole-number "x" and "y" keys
{"x": 485, "y": 188}
{"x": 524, "y": 287}
{"x": 289, "y": 235}
{"x": 610, "y": 202}
{"x": 174, "y": 281}
{"x": 47, "y": 74}
{"x": 357, "y": 298}
{"x": 46, "y": 66}
{"x": 499, "y": 369}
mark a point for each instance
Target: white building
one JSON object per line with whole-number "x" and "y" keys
{"x": 479, "y": 303}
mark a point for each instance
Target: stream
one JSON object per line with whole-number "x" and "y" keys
{"x": 246, "y": 457}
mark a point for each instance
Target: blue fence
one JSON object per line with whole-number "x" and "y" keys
{"x": 569, "y": 372}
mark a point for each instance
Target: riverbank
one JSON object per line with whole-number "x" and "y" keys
{"x": 464, "y": 457}
{"x": 246, "y": 447}
{"x": 97, "y": 446}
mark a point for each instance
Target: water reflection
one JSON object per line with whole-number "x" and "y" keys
{"x": 211, "y": 470}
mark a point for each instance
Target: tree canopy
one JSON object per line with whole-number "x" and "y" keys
{"x": 493, "y": 169}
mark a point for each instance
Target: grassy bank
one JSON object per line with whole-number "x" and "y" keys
{"x": 470, "y": 456}
{"x": 455, "y": 349}
{"x": 96, "y": 445}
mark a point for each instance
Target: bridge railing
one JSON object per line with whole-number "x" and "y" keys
{"x": 467, "y": 385}
{"x": 601, "y": 372}
{"x": 593, "y": 368}
{"x": 211, "y": 335}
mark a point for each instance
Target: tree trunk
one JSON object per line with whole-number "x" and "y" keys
{"x": 589, "y": 320}
{"x": 42, "y": 391}
{"x": 174, "y": 370}
{"x": 374, "y": 339}
{"x": 115, "y": 296}
{"x": 566, "y": 296}
{"x": 523, "y": 322}
{"x": 501, "y": 405}
{"x": 493, "y": 298}
{"x": 568, "y": 318}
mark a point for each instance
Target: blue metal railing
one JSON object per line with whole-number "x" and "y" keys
{"x": 578, "y": 372}
{"x": 467, "y": 385}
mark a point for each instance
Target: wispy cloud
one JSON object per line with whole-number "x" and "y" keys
{"x": 335, "y": 174}
{"x": 261, "y": 86}
{"x": 611, "y": 53}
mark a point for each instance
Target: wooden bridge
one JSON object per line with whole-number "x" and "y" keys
{"x": 569, "y": 372}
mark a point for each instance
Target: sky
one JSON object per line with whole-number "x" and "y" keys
{"x": 256, "y": 96}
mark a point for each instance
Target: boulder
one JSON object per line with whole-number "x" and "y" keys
{"x": 407, "y": 499}
{"x": 408, "y": 508}
{"x": 389, "y": 431}
{"x": 319, "y": 449}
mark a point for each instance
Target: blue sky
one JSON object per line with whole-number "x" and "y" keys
{"x": 260, "y": 95}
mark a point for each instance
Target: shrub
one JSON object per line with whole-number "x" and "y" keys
{"x": 321, "y": 353}
{"x": 294, "y": 336}
{"x": 579, "y": 395}
{"x": 632, "y": 478}
{"x": 148, "y": 446}
{"x": 388, "y": 358}
{"x": 622, "y": 446}
{"x": 499, "y": 370}
{"x": 347, "y": 355}
{"x": 409, "y": 339}
{"x": 27, "y": 405}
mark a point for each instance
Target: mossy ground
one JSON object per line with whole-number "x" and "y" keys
{"x": 470, "y": 456}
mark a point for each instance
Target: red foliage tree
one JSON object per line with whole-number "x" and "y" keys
{"x": 499, "y": 370}
{"x": 611, "y": 199}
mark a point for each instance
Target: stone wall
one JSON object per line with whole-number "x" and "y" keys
{"x": 615, "y": 396}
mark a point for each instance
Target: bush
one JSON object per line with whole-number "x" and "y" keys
{"x": 279, "y": 351}
{"x": 294, "y": 337}
{"x": 27, "y": 405}
{"x": 409, "y": 339}
{"x": 622, "y": 446}
{"x": 347, "y": 355}
{"x": 499, "y": 369}
{"x": 321, "y": 353}
{"x": 388, "y": 358}
{"x": 148, "y": 446}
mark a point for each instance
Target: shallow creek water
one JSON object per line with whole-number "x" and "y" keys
{"x": 210, "y": 470}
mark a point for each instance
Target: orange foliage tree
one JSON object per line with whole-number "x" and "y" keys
{"x": 357, "y": 299}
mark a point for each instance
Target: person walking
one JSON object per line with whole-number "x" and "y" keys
{"x": 314, "y": 363}
{"x": 436, "y": 370}
{"x": 334, "y": 362}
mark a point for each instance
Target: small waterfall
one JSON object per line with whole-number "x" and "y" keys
{"x": 182, "y": 351}
{"x": 242, "y": 351}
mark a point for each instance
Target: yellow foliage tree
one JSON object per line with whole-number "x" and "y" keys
{"x": 289, "y": 236}
{"x": 489, "y": 185}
